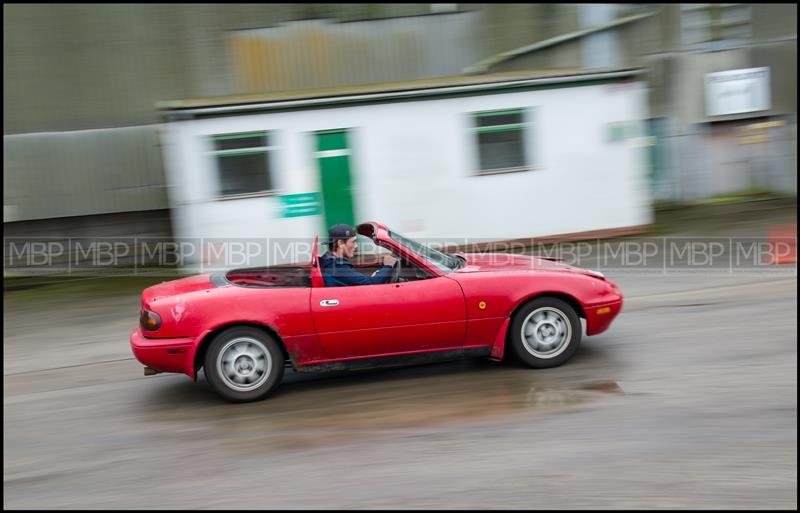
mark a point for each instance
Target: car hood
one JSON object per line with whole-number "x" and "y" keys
{"x": 485, "y": 262}
{"x": 175, "y": 287}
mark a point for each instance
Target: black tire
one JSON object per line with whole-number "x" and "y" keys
{"x": 252, "y": 366}
{"x": 556, "y": 339}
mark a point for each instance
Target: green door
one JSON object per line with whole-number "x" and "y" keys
{"x": 333, "y": 161}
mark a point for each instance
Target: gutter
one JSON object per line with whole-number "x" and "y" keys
{"x": 484, "y": 65}
{"x": 392, "y": 95}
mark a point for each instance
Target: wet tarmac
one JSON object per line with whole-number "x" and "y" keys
{"x": 688, "y": 401}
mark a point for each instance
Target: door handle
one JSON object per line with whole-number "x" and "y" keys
{"x": 329, "y": 302}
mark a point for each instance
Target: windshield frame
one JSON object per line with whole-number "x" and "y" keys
{"x": 443, "y": 262}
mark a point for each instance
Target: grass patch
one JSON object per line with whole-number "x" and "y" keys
{"x": 740, "y": 197}
{"x": 719, "y": 212}
{"x": 746, "y": 195}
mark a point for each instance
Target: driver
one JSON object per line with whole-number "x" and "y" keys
{"x": 336, "y": 267}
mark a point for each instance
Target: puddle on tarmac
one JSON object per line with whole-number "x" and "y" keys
{"x": 339, "y": 412}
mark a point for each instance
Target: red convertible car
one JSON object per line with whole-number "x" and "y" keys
{"x": 245, "y": 326}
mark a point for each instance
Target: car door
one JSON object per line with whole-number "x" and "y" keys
{"x": 372, "y": 320}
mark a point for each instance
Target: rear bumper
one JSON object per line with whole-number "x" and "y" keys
{"x": 600, "y": 316}
{"x": 164, "y": 354}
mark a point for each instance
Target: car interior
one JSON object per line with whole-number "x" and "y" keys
{"x": 367, "y": 260}
{"x": 272, "y": 276}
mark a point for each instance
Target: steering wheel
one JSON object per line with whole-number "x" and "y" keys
{"x": 395, "y": 272}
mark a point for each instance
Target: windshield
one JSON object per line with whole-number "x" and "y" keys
{"x": 444, "y": 262}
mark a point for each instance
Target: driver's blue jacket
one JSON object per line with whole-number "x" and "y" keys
{"x": 339, "y": 272}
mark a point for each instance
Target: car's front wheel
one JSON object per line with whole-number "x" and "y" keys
{"x": 545, "y": 332}
{"x": 244, "y": 364}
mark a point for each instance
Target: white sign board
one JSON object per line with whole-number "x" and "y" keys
{"x": 737, "y": 91}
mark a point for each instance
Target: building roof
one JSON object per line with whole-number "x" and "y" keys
{"x": 441, "y": 86}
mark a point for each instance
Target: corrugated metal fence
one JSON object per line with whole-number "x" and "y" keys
{"x": 58, "y": 174}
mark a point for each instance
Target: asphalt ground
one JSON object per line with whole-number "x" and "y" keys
{"x": 689, "y": 400}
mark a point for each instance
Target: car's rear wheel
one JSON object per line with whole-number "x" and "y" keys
{"x": 545, "y": 332}
{"x": 244, "y": 364}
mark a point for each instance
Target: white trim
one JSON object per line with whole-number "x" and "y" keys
{"x": 254, "y": 149}
{"x": 241, "y": 195}
{"x": 331, "y": 153}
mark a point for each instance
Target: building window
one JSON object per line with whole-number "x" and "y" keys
{"x": 500, "y": 137}
{"x": 715, "y": 25}
{"x": 243, "y": 163}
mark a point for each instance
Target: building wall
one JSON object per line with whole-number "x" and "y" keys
{"x": 81, "y": 81}
{"x": 677, "y": 71}
{"x": 82, "y": 172}
{"x": 413, "y": 168}
{"x": 713, "y": 155}
{"x": 89, "y": 66}
{"x": 92, "y": 68}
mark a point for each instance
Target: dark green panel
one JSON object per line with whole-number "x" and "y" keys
{"x": 337, "y": 197}
{"x": 331, "y": 141}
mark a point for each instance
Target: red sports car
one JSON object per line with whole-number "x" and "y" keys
{"x": 244, "y": 326}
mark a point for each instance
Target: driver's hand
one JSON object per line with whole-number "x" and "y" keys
{"x": 389, "y": 260}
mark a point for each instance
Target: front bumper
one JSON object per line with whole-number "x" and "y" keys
{"x": 599, "y": 316}
{"x": 163, "y": 354}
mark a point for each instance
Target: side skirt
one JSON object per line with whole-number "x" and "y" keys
{"x": 396, "y": 361}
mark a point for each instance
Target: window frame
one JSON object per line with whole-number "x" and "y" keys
{"x": 267, "y": 151}
{"x": 711, "y": 26}
{"x": 525, "y": 128}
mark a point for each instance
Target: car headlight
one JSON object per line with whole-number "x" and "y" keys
{"x": 149, "y": 320}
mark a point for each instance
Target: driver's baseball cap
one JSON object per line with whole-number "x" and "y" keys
{"x": 340, "y": 232}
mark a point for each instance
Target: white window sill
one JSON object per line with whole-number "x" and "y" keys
{"x": 504, "y": 170}
{"x": 246, "y": 195}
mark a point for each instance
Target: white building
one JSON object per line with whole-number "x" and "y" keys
{"x": 503, "y": 156}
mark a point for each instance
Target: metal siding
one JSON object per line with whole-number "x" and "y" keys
{"x": 318, "y": 53}
{"x": 59, "y": 174}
